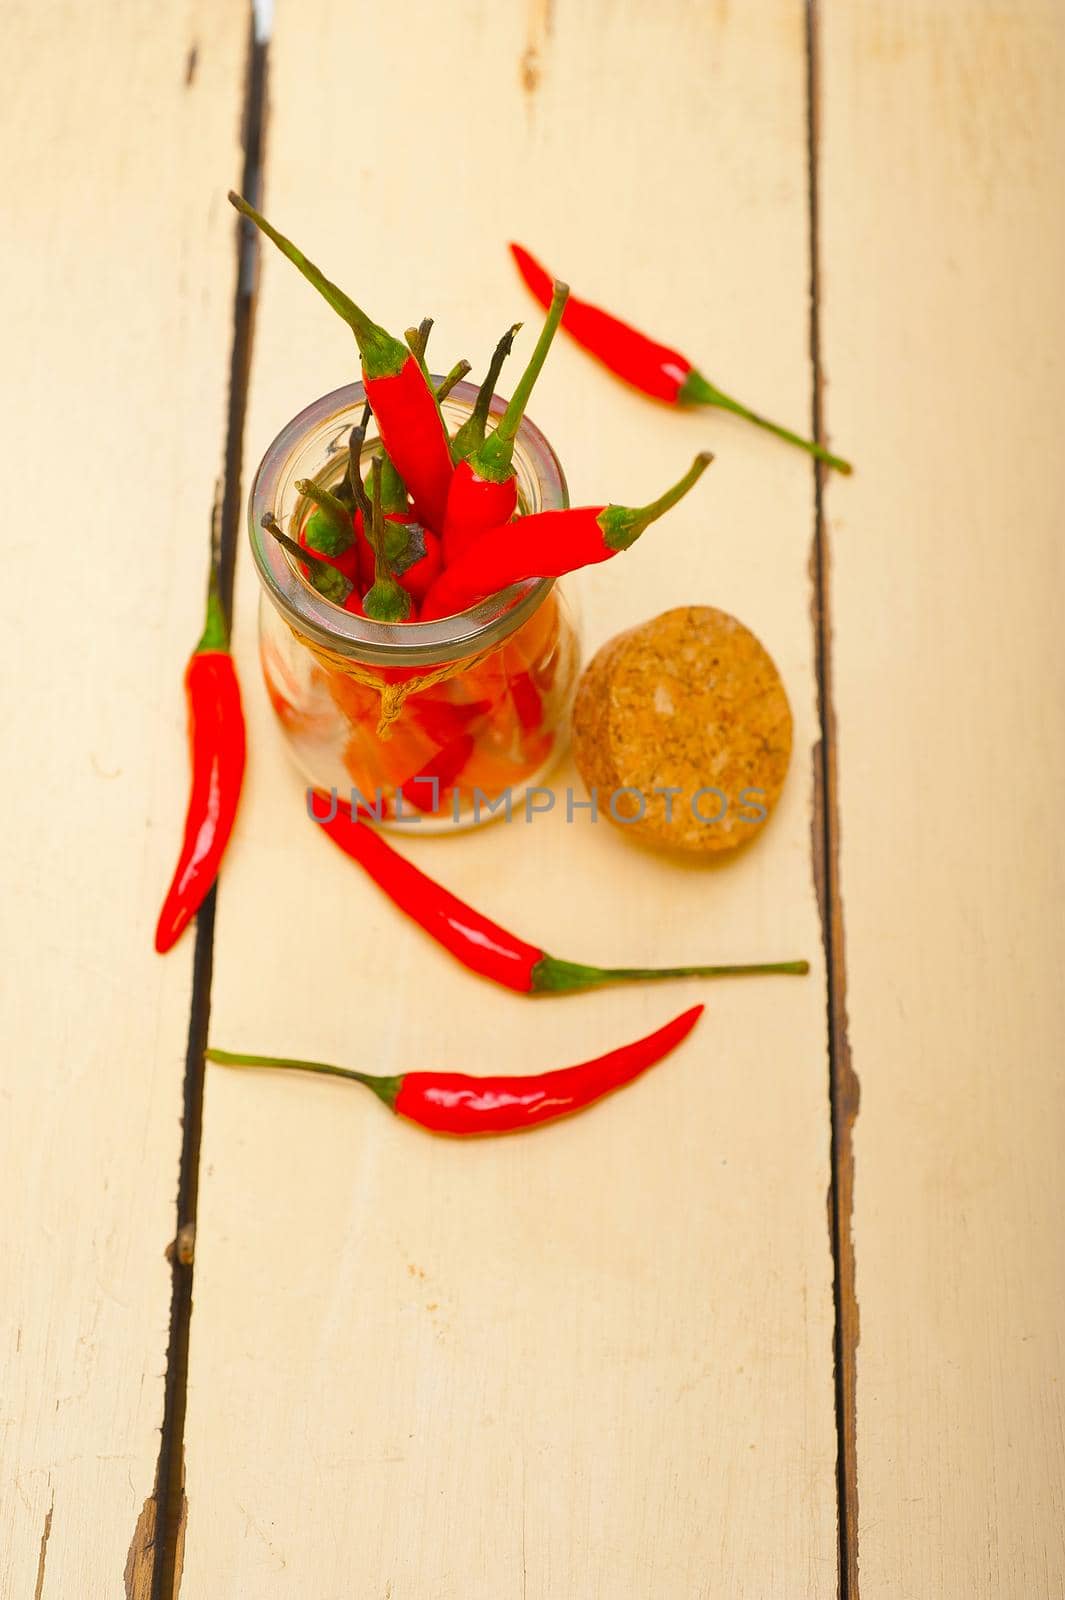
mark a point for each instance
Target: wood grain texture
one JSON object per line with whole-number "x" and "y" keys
{"x": 117, "y": 280}
{"x": 943, "y": 256}
{"x": 595, "y": 1361}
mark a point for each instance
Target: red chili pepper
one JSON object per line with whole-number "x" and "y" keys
{"x": 425, "y": 790}
{"x": 216, "y": 743}
{"x": 526, "y": 699}
{"x": 456, "y": 1103}
{"x": 322, "y": 573}
{"x": 481, "y": 944}
{"x": 446, "y": 720}
{"x": 547, "y": 544}
{"x": 484, "y": 490}
{"x": 408, "y": 417}
{"x": 656, "y": 369}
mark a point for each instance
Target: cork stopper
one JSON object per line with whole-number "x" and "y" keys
{"x": 683, "y": 728}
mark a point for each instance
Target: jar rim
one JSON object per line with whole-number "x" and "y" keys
{"x": 410, "y": 643}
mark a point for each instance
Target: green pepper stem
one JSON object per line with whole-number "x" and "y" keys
{"x": 382, "y": 355}
{"x": 298, "y": 551}
{"x": 215, "y": 635}
{"x": 456, "y": 375}
{"x": 393, "y": 489}
{"x": 622, "y": 525}
{"x": 493, "y": 458}
{"x": 553, "y": 975}
{"x": 418, "y": 338}
{"x": 358, "y": 488}
{"x": 386, "y": 1089}
{"x": 375, "y": 532}
{"x": 385, "y": 600}
{"x": 699, "y": 391}
{"x": 326, "y": 501}
{"x": 471, "y": 434}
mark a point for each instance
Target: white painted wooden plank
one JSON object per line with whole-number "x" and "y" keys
{"x": 596, "y": 1362}
{"x": 943, "y": 146}
{"x": 119, "y": 131}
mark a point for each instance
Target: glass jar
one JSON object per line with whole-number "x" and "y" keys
{"x": 446, "y": 722}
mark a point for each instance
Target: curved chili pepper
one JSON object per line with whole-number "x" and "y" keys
{"x": 481, "y": 944}
{"x": 457, "y": 1103}
{"x": 484, "y": 489}
{"x": 656, "y": 369}
{"x": 548, "y": 544}
{"x": 471, "y": 433}
{"x": 408, "y": 417}
{"x": 216, "y": 743}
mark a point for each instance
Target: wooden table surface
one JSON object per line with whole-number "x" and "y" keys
{"x": 733, "y": 1335}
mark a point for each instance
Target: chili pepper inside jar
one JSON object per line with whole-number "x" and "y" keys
{"x": 445, "y": 722}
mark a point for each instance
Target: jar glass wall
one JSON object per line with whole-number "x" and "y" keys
{"x": 444, "y": 721}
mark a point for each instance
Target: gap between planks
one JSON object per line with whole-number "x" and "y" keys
{"x": 843, "y": 1091}
{"x": 162, "y": 1568}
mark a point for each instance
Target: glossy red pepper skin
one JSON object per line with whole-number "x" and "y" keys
{"x": 654, "y": 368}
{"x": 474, "y": 939}
{"x": 455, "y": 1103}
{"x": 475, "y": 504}
{"x": 217, "y": 748}
{"x": 477, "y": 941}
{"x": 548, "y": 544}
{"x": 408, "y": 420}
{"x": 458, "y": 1104}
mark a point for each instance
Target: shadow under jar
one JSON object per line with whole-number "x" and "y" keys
{"x": 446, "y": 723}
